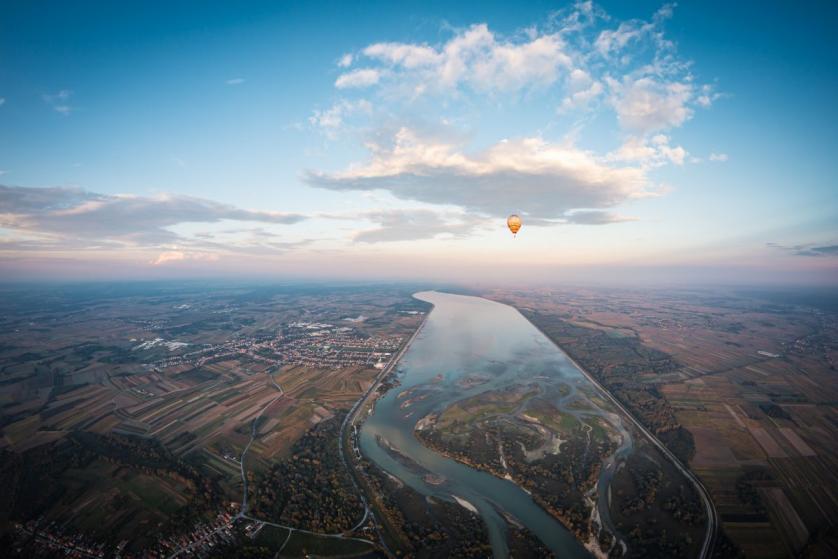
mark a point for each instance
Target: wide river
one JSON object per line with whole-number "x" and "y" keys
{"x": 463, "y": 337}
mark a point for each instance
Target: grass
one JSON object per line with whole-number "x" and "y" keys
{"x": 271, "y": 537}
{"x": 302, "y": 544}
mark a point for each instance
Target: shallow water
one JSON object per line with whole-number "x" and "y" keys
{"x": 465, "y": 336}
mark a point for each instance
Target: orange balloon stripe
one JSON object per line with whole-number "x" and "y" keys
{"x": 514, "y": 223}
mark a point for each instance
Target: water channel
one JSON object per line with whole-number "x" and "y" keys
{"x": 466, "y": 337}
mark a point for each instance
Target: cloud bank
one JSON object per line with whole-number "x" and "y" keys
{"x": 580, "y": 53}
{"x": 580, "y": 60}
{"x": 412, "y": 225}
{"x": 65, "y": 216}
{"x": 808, "y": 249}
{"x": 528, "y": 175}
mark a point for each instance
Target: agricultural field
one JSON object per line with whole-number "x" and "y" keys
{"x": 88, "y": 376}
{"x": 741, "y": 385}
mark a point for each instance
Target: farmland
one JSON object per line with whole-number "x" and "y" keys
{"x": 739, "y": 384}
{"x": 145, "y": 397}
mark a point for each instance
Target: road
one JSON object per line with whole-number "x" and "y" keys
{"x": 253, "y": 431}
{"x": 242, "y": 515}
{"x": 188, "y": 547}
{"x": 709, "y": 507}
{"x": 350, "y": 420}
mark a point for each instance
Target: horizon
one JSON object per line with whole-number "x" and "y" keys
{"x": 650, "y": 144}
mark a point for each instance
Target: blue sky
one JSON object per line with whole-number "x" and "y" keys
{"x": 391, "y": 139}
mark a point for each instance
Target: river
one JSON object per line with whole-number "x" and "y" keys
{"x": 468, "y": 337}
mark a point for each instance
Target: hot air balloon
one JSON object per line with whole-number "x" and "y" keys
{"x": 514, "y": 223}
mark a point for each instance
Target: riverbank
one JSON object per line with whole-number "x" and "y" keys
{"x": 709, "y": 507}
{"x": 465, "y": 337}
{"x": 525, "y": 485}
{"x": 362, "y": 485}
{"x": 352, "y": 416}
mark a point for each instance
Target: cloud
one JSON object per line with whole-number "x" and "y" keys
{"x": 579, "y": 56}
{"x": 345, "y": 61}
{"x": 178, "y": 256}
{"x": 707, "y": 96}
{"x": 474, "y": 57}
{"x": 582, "y": 90}
{"x": 15, "y": 199}
{"x": 652, "y": 152}
{"x": 74, "y": 214}
{"x": 808, "y": 249}
{"x": 403, "y": 54}
{"x": 651, "y": 89}
{"x": 826, "y": 250}
{"x": 721, "y": 157}
{"x": 60, "y": 101}
{"x": 363, "y": 77}
{"x": 529, "y": 175}
{"x": 595, "y": 217}
{"x": 331, "y": 120}
{"x": 633, "y": 67}
{"x": 614, "y": 42}
{"x": 648, "y": 104}
{"x": 235, "y": 81}
{"x": 410, "y": 225}
{"x": 2, "y": 101}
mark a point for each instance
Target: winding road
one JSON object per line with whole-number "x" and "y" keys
{"x": 242, "y": 515}
{"x": 350, "y": 420}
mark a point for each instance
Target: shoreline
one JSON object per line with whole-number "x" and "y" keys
{"x": 706, "y": 550}
{"x": 582, "y": 539}
{"x": 352, "y": 415}
{"x": 351, "y": 418}
{"x": 508, "y": 477}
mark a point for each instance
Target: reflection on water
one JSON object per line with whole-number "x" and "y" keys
{"x": 467, "y": 337}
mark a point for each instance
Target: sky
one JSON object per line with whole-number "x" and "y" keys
{"x": 639, "y": 141}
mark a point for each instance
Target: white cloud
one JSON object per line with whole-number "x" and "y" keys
{"x": 415, "y": 224}
{"x": 60, "y": 101}
{"x": 407, "y": 55}
{"x": 707, "y": 96}
{"x": 235, "y": 81}
{"x": 72, "y": 214}
{"x": 2, "y": 101}
{"x": 530, "y": 175}
{"x": 614, "y": 42}
{"x": 595, "y": 217}
{"x": 720, "y": 157}
{"x": 363, "y": 77}
{"x": 345, "y": 61}
{"x": 650, "y": 88}
{"x": 582, "y": 91}
{"x": 331, "y": 120}
{"x": 633, "y": 149}
{"x": 474, "y": 57}
{"x": 675, "y": 154}
{"x": 647, "y": 104}
{"x": 610, "y": 40}
{"x": 653, "y": 152}
{"x": 633, "y": 65}
{"x": 631, "y": 68}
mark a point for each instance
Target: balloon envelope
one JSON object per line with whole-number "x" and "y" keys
{"x": 514, "y": 223}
